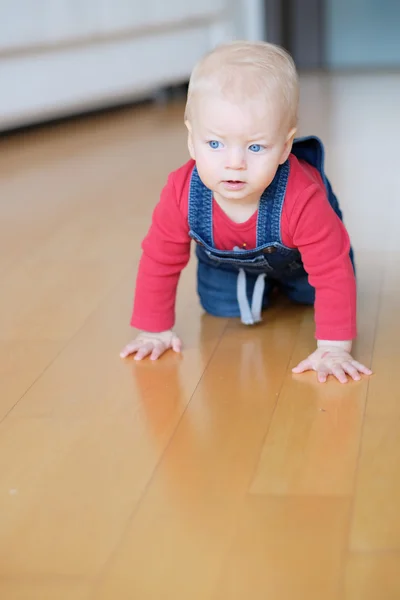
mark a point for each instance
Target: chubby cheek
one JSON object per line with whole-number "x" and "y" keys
{"x": 207, "y": 166}
{"x": 207, "y": 174}
{"x": 262, "y": 175}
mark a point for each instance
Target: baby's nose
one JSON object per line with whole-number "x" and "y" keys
{"x": 236, "y": 159}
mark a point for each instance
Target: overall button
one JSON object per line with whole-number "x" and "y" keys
{"x": 269, "y": 250}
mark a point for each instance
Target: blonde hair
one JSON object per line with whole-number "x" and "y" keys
{"x": 244, "y": 70}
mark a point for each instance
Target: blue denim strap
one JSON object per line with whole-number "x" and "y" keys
{"x": 311, "y": 150}
{"x": 200, "y": 209}
{"x": 270, "y": 208}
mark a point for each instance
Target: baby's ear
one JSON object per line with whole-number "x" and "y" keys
{"x": 190, "y": 140}
{"x": 288, "y": 145}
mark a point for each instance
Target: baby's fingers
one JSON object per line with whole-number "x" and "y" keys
{"x": 361, "y": 368}
{"x": 157, "y": 351}
{"x": 322, "y": 374}
{"x": 144, "y": 350}
{"x": 129, "y": 349}
{"x": 338, "y": 372}
{"x": 351, "y": 370}
{"x": 304, "y": 365}
{"x": 176, "y": 344}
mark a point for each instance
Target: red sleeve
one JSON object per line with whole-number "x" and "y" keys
{"x": 166, "y": 251}
{"x": 314, "y": 228}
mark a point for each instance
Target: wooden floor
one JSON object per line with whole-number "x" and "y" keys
{"x": 217, "y": 475}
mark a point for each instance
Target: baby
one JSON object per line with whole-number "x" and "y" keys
{"x": 258, "y": 205}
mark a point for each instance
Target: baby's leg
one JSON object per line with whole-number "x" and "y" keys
{"x": 298, "y": 290}
{"x": 217, "y": 290}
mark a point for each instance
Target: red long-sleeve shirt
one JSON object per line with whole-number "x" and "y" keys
{"x": 308, "y": 223}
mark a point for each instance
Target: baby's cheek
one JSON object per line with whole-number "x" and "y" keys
{"x": 206, "y": 172}
{"x": 263, "y": 177}
{"x": 207, "y": 165}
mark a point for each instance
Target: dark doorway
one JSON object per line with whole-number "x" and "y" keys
{"x": 298, "y": 26}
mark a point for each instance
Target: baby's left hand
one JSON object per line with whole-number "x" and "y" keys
{"x": 332, "y": 360}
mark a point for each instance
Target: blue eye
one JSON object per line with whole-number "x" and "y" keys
{"x": 255, "y": 148}
{"x": 214, "y": 144}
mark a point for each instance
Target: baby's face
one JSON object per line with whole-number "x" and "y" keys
{"x": 237, "y": 146}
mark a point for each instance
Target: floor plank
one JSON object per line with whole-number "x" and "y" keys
{"x": 375, "y": 524}
{"x": 36, "y": 589}
{"x": 188, "y": 513}
{"x": 21, "y": 364}
{"x": 312, "y": 445}
{"x": 288, "y": 547}
{"x": 373, "y": 576}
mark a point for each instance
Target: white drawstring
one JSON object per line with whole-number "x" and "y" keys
{"x": 250, "y": 316}
{"x": 245, "y": 312}
{"x": 257, "y": 300}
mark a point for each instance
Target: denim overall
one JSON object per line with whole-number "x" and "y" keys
{"x": 237, "y": 283}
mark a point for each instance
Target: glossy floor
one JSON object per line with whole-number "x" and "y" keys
{"x": 217, "y": 474}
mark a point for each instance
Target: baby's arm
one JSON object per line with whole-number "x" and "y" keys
{"x": 166, "y": 251}
{"x": 324, "y": 245}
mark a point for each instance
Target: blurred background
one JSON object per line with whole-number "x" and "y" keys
{"x": 62, "y": 57}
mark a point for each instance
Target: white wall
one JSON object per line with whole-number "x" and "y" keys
{"x": 30, "y": 23}
{"x": 62, "y": 56}
{"x": 249, "y": 19}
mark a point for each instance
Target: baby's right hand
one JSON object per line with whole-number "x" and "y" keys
{"x": 154, "y": 344}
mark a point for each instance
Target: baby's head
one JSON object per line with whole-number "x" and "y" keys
{"x": 241, "y": 114}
